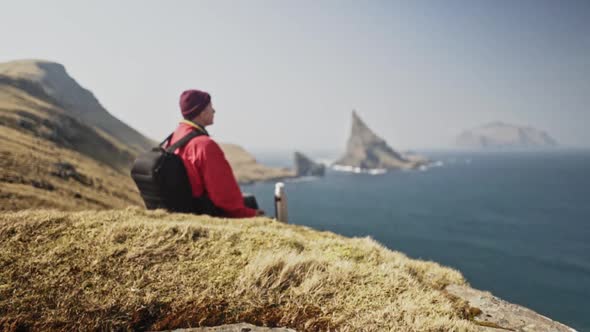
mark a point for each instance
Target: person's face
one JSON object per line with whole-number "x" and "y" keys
{"x": 206, "y": 116}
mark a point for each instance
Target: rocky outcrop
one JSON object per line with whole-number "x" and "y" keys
{"x": 503, "y": 135}
{"x": 494, "y": 314}
{"x": 241, "y": 327}
{"x": 366, "y": 150}
{"x": 304, "y": 166}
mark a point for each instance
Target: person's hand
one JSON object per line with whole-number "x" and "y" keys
{"x": 259, "y": 212}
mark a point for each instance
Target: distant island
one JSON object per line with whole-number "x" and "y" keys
{"x": 503, "y": 135}
{"x": 367, "y": 151}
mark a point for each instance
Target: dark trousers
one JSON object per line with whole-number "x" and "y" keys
{"x": 250, "y": 201}
{"x": 203, "y": 205}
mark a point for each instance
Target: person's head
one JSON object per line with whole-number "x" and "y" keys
{"x": 196, "y": 106}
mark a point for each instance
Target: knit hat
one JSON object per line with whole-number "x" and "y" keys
{"x": 192, "y": 102}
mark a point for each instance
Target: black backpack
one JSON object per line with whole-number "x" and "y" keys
{"x": 163, "y": 183}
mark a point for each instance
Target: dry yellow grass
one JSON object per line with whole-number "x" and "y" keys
{"x": 27, "y": 168}
{"x": 137, "y": 269}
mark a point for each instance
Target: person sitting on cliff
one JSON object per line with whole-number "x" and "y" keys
{"x": 209, "y": 172}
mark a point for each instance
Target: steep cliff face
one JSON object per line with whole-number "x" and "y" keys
{"x": 51, "y": 159}
{"x": 76, "y": 101}
{"x": 304, "y": 166}
{"x": 503, "y": 135}
{"x": 41, "y": 99}
{"x": 367, "y": 150}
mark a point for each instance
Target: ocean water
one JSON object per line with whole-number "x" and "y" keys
{"x": 514, "y": 223}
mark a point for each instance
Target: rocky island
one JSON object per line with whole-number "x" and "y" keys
{"x": 504, "y": 135}
{"x": 304, "y": 166}
{"x": 366, "y": 150}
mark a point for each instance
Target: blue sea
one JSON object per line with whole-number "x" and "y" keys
{"x": 514, "y": 223}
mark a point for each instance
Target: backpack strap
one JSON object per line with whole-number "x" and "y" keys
{"x": 184, "y": 140}
{"x": 166, "y": 140}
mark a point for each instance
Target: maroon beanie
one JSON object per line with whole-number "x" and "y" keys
{"x": 192, "y": 102}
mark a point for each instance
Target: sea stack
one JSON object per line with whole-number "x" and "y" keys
{"x": 366, "y": 150}
{"x": 503, "y": 135}
{"x": 304, "y": 166}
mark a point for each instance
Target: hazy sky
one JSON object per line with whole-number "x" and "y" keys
{"x": 286, "y": 74}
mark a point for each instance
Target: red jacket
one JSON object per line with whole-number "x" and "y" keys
{"x": 208, "y": 171}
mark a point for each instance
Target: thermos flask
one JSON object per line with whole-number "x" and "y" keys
{"x": 281, "y": 203}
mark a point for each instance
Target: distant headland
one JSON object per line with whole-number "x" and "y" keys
{"x": 503, "y": 135}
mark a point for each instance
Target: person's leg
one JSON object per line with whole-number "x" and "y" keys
{"x": 250, "y": 201}
{"x": 204, "y": 205}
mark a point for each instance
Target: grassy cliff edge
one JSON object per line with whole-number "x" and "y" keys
{"x": 137, "y": 269}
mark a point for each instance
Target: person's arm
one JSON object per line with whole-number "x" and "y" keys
{"x": 220, "y": 183}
